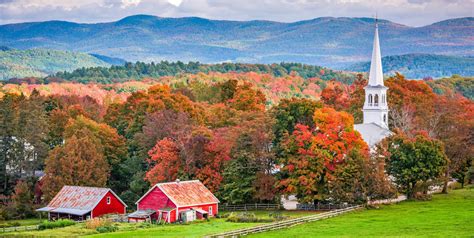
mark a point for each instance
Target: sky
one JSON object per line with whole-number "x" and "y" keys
{"x": 407, "y": 12}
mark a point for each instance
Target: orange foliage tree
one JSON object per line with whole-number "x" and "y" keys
{"x": 80, "y": 161}
{"x": 314, "y": 157}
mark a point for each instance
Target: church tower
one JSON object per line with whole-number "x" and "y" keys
{"x": 375, "y": 107}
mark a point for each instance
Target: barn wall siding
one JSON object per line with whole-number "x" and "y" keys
{"x": 103, "y": 208}
{"x": 155, "y": 200}
{"x": 203, "y": 207}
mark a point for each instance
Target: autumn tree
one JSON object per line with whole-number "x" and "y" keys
{"x": 164, "y": 162}
{"x": 246, "y": 98}
{"x": 80, "y": 161}
{"x": 316, "y": 158}
{"x": 290, "y": 112}
{"x": 23, "y": 200}
{"x": 113, "y": 145}
{"x": 415, "y": 161}
{"x": 336, "y": 95}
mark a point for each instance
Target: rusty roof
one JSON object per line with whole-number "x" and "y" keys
{"x": 80, "y": 198}
{"x": 186, "y": 193}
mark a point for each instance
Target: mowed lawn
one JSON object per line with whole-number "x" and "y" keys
{"x": 450, "y": 215}
{"x": 199, "y": 229}
{"x": 195, "y": 229}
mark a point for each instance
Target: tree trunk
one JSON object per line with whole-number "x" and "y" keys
{"x": 410, "y": 191}
{"x": 446, "y": 178}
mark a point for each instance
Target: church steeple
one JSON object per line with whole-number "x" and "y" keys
{"x": 376, "y": 73}
{"x": 376, "y": 106}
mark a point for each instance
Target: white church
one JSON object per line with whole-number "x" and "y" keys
{"x": 375, "y": 125}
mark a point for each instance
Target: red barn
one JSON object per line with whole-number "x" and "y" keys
{"x": 80, "y": 203}
{"x": 176, "y": 201}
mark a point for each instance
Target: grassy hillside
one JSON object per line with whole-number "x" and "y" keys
{"x": 326, "y": 41}
{"x": 42, "y": 62}
{"x": 445, "y": 216}
{"x": 416, "y": 66}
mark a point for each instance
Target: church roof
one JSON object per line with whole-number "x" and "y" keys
{"x": 376, "y": 73}
{"x": 372, "y": 133}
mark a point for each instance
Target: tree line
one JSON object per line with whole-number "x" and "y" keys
{"x": 140, "y": 70}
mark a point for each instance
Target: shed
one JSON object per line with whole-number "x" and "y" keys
{"x": 81, "y": 203}
{"x": 173, "y": 198}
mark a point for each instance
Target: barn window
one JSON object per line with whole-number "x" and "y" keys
{"x": 210, "y": 211}
{"x": 376, "y": 100}
{"x": 108, "y": 200}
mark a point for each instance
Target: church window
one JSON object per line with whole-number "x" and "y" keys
{"x": 370, "y": 99}
{"x": 376, "y": 100}
{"x": 385, "y": 118}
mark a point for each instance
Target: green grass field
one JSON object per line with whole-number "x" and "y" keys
{"x": 24, "y": 222}
{"x": 196, "y": 229}
{"x": 450, "y": 215}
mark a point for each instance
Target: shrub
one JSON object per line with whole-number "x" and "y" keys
{"x": 97, "y": 222}
{"x": 10, "y": 224}
{"x": 246, "y": 217}
{"x": 225, "y": 215}
{"x": 454, "y": 185}
{"x": 55, "y": 224}
{"x": 277, "y": 215}
{"x": 104, "y": 229}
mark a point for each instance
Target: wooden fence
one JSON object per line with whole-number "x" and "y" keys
{"x": 19, "y": 228}
{"x": 321, "y": 207}
{"x": 284, "y": 224}
{"x": 250, "y": 207}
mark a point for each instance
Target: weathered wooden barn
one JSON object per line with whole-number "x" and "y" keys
{"x": 81, "y": 203}
{"x": 176, "y": 201}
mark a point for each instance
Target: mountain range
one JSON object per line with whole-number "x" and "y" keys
{"x": 418, "y": 66}
{"x": 326, "y": 41}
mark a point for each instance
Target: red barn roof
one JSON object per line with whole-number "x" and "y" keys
{"x": 185, "y": 193}
{"x": 77, "y": 200}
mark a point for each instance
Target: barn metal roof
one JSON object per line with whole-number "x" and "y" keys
{"x": 142, "y": 213}
{"x": 77, "y": 199}
{"x": 186, "y": 193}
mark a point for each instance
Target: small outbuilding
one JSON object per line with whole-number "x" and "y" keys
{"x": 82, "y": 203}
{"x": 176, "y": 201}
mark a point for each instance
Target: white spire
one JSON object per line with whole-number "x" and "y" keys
{"x": 376, "y": 73}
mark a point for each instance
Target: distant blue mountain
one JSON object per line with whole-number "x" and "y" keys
{"x": 110, "y": 60}
{"x": 327, "y": 41}
{"x": 417, "y": 66}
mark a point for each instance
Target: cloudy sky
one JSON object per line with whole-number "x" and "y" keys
{"x": 408, "y": 12}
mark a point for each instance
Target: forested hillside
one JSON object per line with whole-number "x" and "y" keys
{"x": 142, "y": 70}
{"x": 42, "y": 62}
{"x": 417, "y": 66}
{"x": 326, "y": 41}
{"x": 456, "y": 84}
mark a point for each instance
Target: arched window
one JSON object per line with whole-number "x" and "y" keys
{"x": 385, "y": 118}
{"x": 370, "y": 99}
{"x": 383, "y": 99}
{"x": 376, "y": 100}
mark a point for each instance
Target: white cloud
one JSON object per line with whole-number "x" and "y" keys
{"x": 175, "y": 2}
{"x": 128, "y": 3}
{"x": 409, "y": 12}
